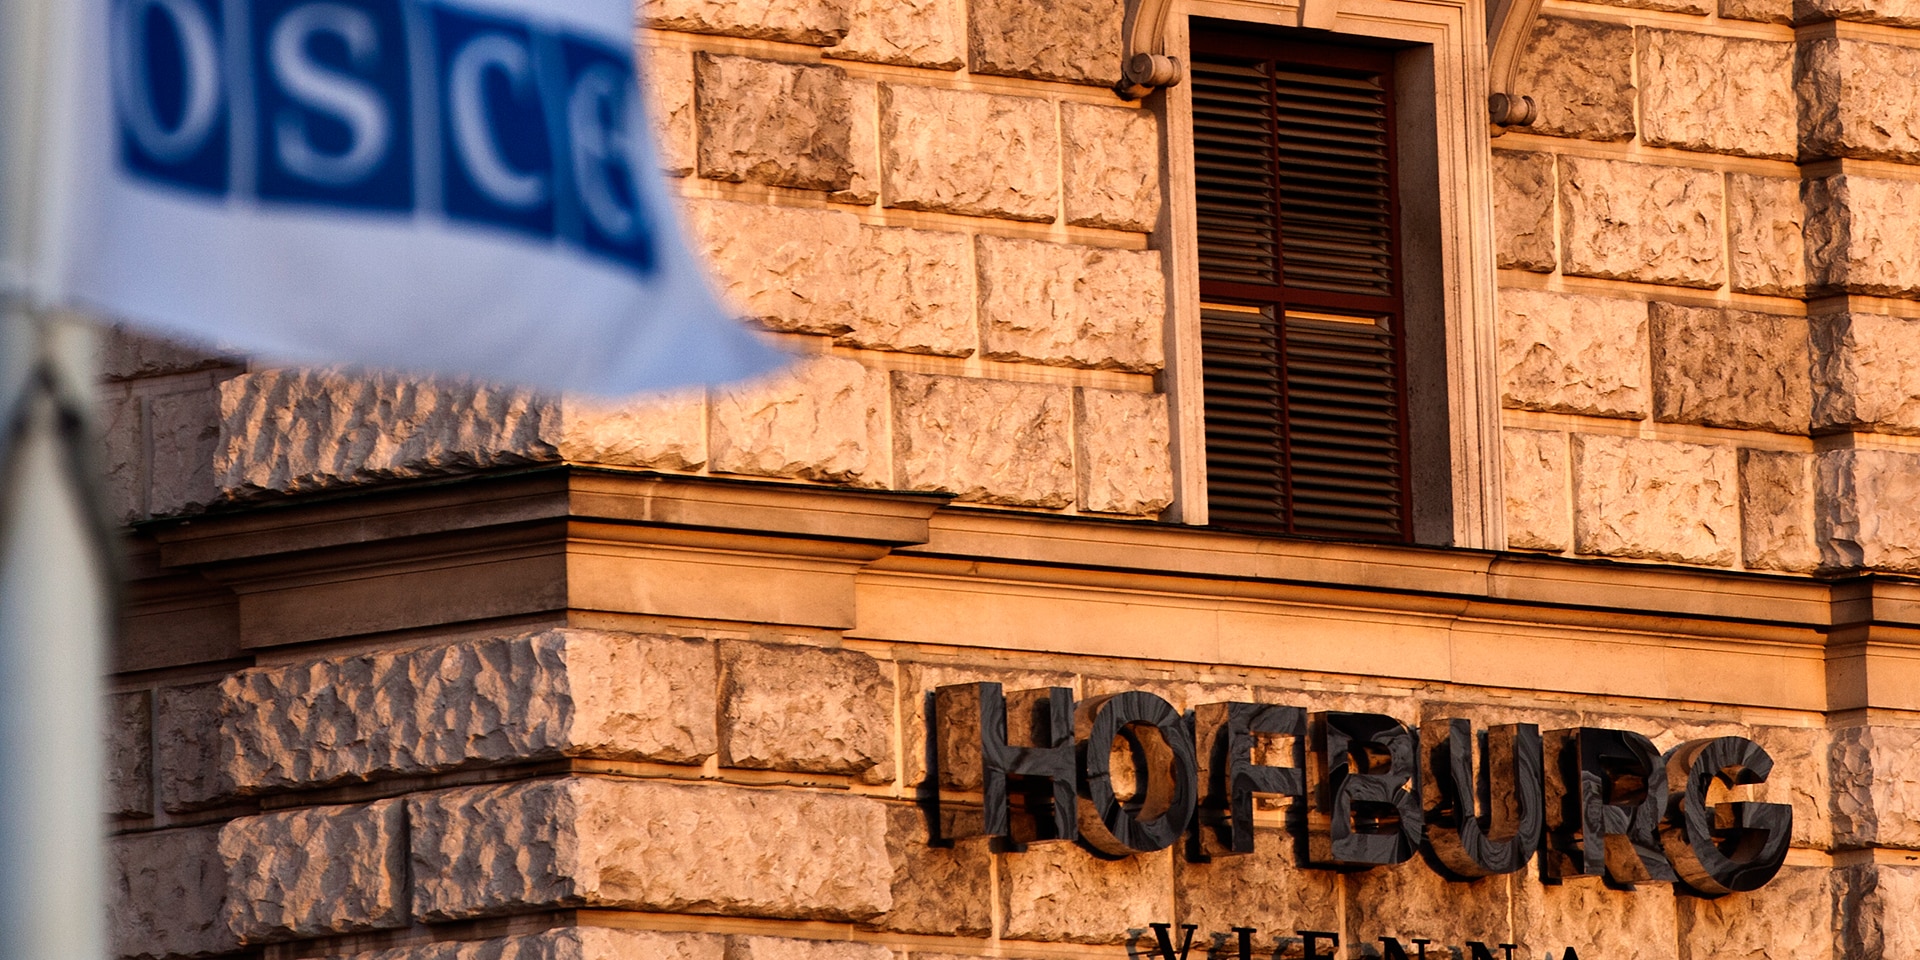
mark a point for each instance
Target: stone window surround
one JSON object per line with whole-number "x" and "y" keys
{"x": 1441, "y": 83}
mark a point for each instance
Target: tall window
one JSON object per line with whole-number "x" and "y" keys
{"x": 1302, "y": 317}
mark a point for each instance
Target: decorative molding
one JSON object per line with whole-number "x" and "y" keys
{"x": 1144, "y": 64}
{"x": 1509, "y": 24}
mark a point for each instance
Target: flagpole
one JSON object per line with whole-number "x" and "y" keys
{"x": 56, "y": 591}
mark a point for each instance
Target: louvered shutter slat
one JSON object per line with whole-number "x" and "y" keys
{"x": 1305, "y": 422}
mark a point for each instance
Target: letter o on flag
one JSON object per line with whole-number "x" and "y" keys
{"x": 134, "y": 82}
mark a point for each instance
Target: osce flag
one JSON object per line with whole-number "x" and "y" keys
{"x": 437, "y": 185}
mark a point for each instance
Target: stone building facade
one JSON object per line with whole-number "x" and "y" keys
{"x": 420, "y": 670}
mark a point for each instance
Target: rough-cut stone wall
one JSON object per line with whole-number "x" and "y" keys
{"x": 1710, "y": 285}
{"x": 764, "y": 800}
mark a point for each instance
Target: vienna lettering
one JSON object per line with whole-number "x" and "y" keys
{"x": 1589, "y": 801}
{"x": 385, "y": 107}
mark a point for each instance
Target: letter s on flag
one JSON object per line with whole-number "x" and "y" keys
{"x": 453, "y": 186}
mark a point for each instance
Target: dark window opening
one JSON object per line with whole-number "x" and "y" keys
{"x": 1302, "y": 308}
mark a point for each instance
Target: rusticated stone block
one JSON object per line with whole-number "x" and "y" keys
{"x": 1265, "y": 890}
{"x": 1859, "y": 99}
{"x": 863, "y": 143}
{"x": 1867, "y": 516}
{"x": 1523, "y": 188}
{"x": 1792, "y": 916}
{"x": 1861, "y": 236}
{"x": 1765, "y": 235}
{"x": 936, "y": 890}
{"x": 1875, "y": 911}
{"x": 979, "y": 154}
{"x": 568, "y": 943}
{"x": 783, "y": 266}
{"x": 649, "y": 845}
{"x": 1867, "y": 373}
{"x": 817, "y": 22}
{"x": 1411, "y": 900}
{"x": 669, "y": 89}
{"x": 1534, "y": 466}
{"x": 910, "y": 290}
{"x": 126, "y": 354}
{"x": 184, "y": 436}
{"x": 810, "y": 709}
{"x": 1126, "y": 451}
{"x": 1640, "y": 221}
{"x": 123, "y": 453}
{"x": 783, "y": 948}
{"x": 916, "y": 292}
{"x": 911, "y": 33}
{"x": 1696, "y": 7}
{"x": 190, "y": 743}
{"x": 990, "y": 441}
{"x": 1801, "y": 777}
{"x": 290, "y": 431}
{"x": 166, "y": 894}
{"x": 1580, "y": 75}
{"x": 1730, "y": 368}
{"x": 822, "y": 419}
{"x": 1112, "y": 166}
{"x": 1057, "y": 892}
{"x": 1776, "y": 511}
{"x": 1876, "y": 790}
{"x": 1655, "y": 500}
{"x": 1764, "y": 11}
{"x": 1070, "y": 305}
{"x": 316, "y": 872}
{"x": 130, "y": 754}
{"x": 667, "y": 432}
{"x": 781, "y": 124}
{"x": 1900, "y": 13}
{"x": 1636, "y": 924}
{"x": 546, "y": 695}
{"x": 1073, "y": 40}
{"x": 1717, "y": 94}
{"x": 1573, "y": 354}
{"x": 918, "y": 681}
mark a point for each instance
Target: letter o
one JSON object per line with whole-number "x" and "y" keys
{"x": 1170, "y": 773}
{"x": 200, "y": 64}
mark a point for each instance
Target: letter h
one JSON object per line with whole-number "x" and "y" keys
{"x": 990, "y": 742}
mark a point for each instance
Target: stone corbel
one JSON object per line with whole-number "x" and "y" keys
{"x": 1509, "y": 24}
{"x": 1144, "y": 64}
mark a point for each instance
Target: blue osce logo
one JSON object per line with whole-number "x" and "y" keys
{"x": 385, "y": 107}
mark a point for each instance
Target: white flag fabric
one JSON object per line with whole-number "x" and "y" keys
{"x": 463, "y": 186}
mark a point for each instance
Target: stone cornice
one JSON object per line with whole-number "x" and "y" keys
{"x": 559, "y": 544}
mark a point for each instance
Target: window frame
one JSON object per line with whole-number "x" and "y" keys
{"x": 1440, "y": 80}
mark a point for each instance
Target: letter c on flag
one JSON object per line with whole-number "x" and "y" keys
{"x": 472, "y": 133}
{"x": 133, "y": 78}
{"x": 353, "y": 101}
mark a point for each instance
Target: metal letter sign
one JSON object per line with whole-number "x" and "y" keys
{"x": 1729, "y": 846}
{"x": 980, "y": 746}
{"x": 1598, "y": 802}
{"x": 447, "y": 185}
{"x": 1514, "y": 808}
{"x": 1162, "y": 747}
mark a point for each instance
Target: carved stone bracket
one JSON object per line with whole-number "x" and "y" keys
{"x": 1144, "y": 64}
{"x": 1509, "y": 24}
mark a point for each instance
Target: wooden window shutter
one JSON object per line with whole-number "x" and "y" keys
{"x": 1302, "y": 333}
